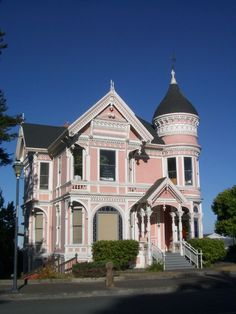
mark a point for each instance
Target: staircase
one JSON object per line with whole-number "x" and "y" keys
{"x": 174, "y": 261}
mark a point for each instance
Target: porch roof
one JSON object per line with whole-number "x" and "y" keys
{"x": 152, "y": 189}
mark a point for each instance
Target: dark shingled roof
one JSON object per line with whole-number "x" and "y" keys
{"x": 174, "y": 101}
{"x": 40, "y": 136}
{"x": 152, "y": 188}
{"x": 150, "y": 128}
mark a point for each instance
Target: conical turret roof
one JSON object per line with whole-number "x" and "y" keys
{"x": 174, "y": 101}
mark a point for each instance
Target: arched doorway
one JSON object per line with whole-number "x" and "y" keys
{"x": 107, "y": 224}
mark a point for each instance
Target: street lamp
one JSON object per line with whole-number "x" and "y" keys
{"x": 17, "y": 166}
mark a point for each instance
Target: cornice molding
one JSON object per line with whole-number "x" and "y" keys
{"x": 177, "y": 123}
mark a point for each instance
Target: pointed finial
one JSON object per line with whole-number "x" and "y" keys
{"x": 173, "y": 80}
{"x": 112, "y": 85}
{"x": 173, "y": 60}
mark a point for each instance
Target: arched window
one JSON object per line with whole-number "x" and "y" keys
{"x": 107, "y": 224}
{"x": 195, "y": 210}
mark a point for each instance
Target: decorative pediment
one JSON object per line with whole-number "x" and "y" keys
{"x": 114, "y": 113}
{"x": 163, "y": 189}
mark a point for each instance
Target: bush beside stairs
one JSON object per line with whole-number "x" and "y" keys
{"x": 174, "y": 261}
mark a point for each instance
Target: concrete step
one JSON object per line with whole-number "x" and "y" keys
{"x": 176, "y": 261}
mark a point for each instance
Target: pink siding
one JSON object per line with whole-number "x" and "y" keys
{"x": 177, "y": 139}
{"x": 93, "y": 168}
{"x": 148, "y": 172}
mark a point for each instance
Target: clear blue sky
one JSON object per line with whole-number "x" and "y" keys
{"x": 63, "y": 53}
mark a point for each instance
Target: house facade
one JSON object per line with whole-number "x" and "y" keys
{"x": 111, "y": 175}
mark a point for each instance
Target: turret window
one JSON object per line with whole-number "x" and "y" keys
{"x": 172, "y": 170}
{"x": 188, "y": 172}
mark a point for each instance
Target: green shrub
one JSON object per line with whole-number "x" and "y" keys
{"x": 155, "y": 267}
{"x": 89, "y": 270}
{"x": 212, "y": 250}
{"x": 122, "y": 253}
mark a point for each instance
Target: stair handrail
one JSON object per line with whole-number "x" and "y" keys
{"x": 66, "y": 267}
{"x": 158, "y": 254}
{"x": 192, "y": 254}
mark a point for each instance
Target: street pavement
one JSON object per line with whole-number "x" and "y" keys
{"x": 125, "y": 285}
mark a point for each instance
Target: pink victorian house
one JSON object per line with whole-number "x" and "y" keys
{"x": 112, "y": 175}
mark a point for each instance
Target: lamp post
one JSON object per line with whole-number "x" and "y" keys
{"x": 17, "y": 166}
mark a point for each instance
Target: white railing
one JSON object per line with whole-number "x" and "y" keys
{"x": 192, "y": 254}
{"x": 157, "y": 254}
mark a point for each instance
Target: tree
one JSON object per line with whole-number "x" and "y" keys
{"x": 2, "y": 44}
{"x": 6, "y": 122}
{"x": 7, "y": 229}
{"x": 224, "y": 206}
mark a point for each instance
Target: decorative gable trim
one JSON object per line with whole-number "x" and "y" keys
{"x": 113, "y": 99}
{"x": 165, "y": 185}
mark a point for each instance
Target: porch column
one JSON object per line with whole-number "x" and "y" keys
{"x": 142, "y": 213}
{"x": 191, "y": 225}
{"x": 149, "y": 212}
{"x": 132, "y": 225}
{"x": 180, "y": 214}
{"x": 200, "y": 224}
{"x": 136, "y": 227}
{"x": 173, "y": 230}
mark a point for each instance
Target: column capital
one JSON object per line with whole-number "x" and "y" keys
{"x": 142, "y": 212}
{"x": 149, "y": 211}
{"x": 180, "y": 213}
{"x": 173, "y": 214}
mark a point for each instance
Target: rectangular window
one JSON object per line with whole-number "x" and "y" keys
{"x": 58, "y": 226}
{"x": 172, "y": 172}
{"x": 77, "y": 225}
{"x": 78, "y": 163}
{"x": 196, "y": 232}
{"x": 188, "y": 173}
{"x": 38, "y": 227}
{"x": 44, "y": 175}
{"x": 107, "y": 165}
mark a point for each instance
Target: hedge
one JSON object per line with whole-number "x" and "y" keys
{"x": 89, "y": 269}
{"x": 212, "y": 250}
{"x": 122, "y": 253}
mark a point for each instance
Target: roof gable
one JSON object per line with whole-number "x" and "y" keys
{"x": 114, "y": 100}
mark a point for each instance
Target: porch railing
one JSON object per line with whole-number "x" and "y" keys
{"x": 157, "y": 254}
{"x": 192, "y": 254}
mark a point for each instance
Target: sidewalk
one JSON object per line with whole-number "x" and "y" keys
{"x": 127, "y": 284}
